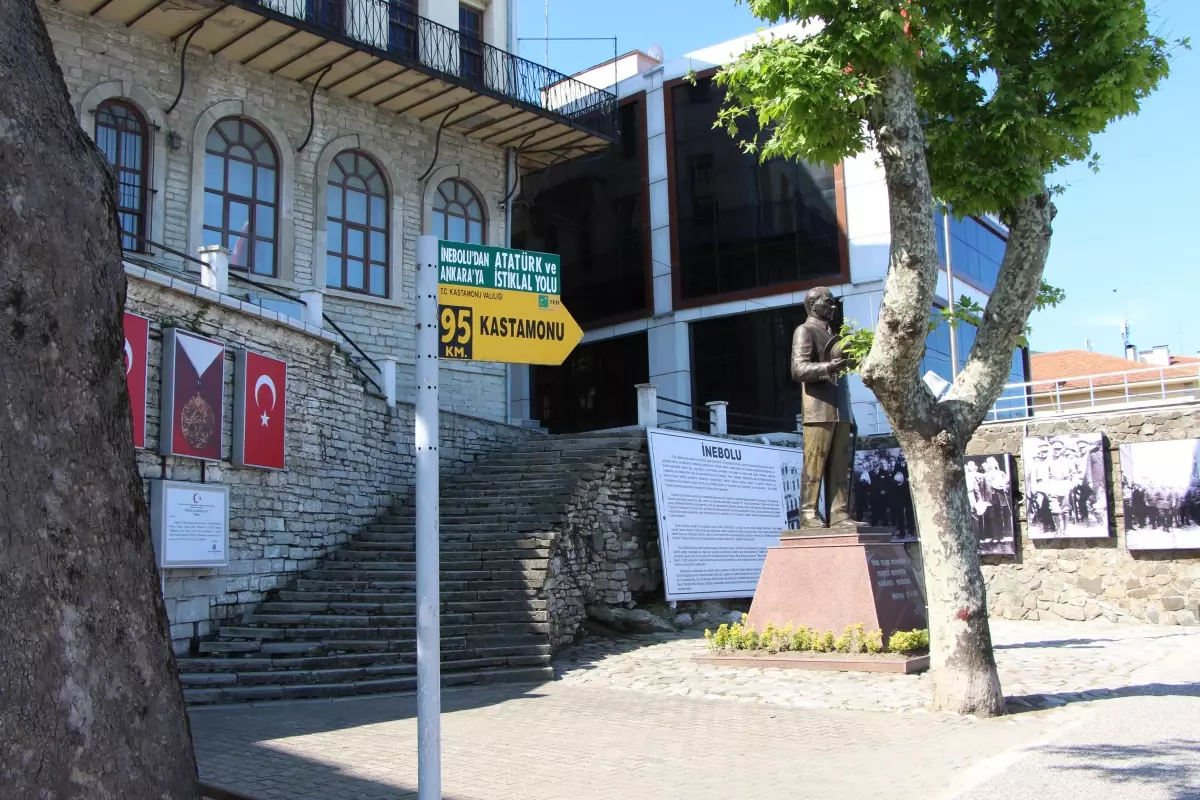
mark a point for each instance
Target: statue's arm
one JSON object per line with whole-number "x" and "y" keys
{"x": 805, "y": 364}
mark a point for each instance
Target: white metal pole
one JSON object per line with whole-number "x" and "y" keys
{"x": 429, "y": 668}
{"x": 950, "y": 295}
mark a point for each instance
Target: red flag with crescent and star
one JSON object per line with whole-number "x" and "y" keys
{"x": 137, "y": 350}
{"x": 259, "y": 411}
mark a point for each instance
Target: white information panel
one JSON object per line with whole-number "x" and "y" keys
{"x": 189, "y": 523}
{"x": 721, "y": 503}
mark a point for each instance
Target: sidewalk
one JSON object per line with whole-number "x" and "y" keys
{"x": 635, "y": 738}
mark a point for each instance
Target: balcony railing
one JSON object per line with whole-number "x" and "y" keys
{"x": 391, "y": 28}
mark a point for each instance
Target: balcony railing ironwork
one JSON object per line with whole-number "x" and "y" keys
{"x": 391, "y": 28}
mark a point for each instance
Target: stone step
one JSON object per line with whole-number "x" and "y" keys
{"x": 260, "y": 663}
{"x": 500, "y": 623}
{"x": 383, "y": 570}
{"x": 448, "y": 560}
{"x": 383, "y": 602}
{"x": 238, "y": 694}
{"x": 277, "y": 625}
{"x": 286, "y": 676}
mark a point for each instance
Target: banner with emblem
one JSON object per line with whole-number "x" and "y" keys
{"x": 259, "y": 410}
{"x": 137, "y": 349}
{"x": 193, "y": 374}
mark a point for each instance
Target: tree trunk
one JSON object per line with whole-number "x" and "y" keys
{"x": 90, "y": 703}
{"x": 962, "y": 665}
{"x": 933, "y": 434}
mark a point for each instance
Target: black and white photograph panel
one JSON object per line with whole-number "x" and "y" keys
{"x": 881, "y": 494}
{"x": 1160, "y": 491}
{"x": 791, "y": 469}
{"x": 1066, "y": 493}
{"x": 990, "y": 489}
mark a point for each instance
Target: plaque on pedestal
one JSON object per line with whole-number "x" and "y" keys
{"x": 828, "y": 578}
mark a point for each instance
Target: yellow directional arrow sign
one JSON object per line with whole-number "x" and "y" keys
{"x": 502, "y": 305}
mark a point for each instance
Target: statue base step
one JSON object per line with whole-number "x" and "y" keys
{"x": 828, "y": 578}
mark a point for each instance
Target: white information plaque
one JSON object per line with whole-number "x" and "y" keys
{"x": 721, "y": 503}
{"x": 189, "y": 523}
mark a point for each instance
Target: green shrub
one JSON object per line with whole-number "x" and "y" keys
{"x": 785, "y": 638}
{"x": 802, "y": 639}
{"x": 823, "y": 642}
{"x": 909, "y": 641}
{"x": 873, "y": 643}
{"x": 843, "y": 643}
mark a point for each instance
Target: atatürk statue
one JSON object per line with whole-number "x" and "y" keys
{"x": 818, "y": 366}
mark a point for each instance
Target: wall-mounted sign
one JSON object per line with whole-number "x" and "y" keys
{"x": 1066, "y": 491}
{"x": 137, "y": 350}
{"x": 189, "y": 523}
{"x": 721, "y": 503}
{"x": 193, "y": 374}
{"x": 502, "y": 305}
{"x": 259, "y": 410}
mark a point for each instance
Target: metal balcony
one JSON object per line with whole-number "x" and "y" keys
{"x": 382, "y": 53}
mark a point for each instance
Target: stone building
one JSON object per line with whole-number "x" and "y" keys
{"x": 314, "y": 141}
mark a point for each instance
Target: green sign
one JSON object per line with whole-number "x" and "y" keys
{"x": 485, "y": 267}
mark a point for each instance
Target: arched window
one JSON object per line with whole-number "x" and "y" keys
{"x": 123, "y": 136}
{"x": 457, "y": 213}
{"x": 357, "y": 246}
{"x": 240, "y": 189}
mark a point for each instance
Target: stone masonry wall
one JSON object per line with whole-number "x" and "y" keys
{"x": 348, "y": 454}
{"x": 605, "y": 551}
{"x": 93, "y": 52}
{"x": 1085, "y": 579}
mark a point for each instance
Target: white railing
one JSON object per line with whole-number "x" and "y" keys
{"x": 1143, "y": 386}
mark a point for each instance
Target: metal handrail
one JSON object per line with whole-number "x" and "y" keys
{"x": 391, "y": 29}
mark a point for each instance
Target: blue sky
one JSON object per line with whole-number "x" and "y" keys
{"x": 1123, "y": 240}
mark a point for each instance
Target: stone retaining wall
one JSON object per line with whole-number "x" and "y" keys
{"x": 1084, "y": 579}
{"x": 348, "y": 454}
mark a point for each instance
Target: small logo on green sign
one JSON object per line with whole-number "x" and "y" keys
{"x": 543, "y": 301}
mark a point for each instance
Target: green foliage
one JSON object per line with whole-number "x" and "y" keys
{"x": 874, "y": 642}
{"x": 908, "y": 641}
{"x": 802, "y": 639}
{"x": 1008, "y": 91}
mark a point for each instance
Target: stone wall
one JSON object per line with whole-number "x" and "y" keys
{"x": 348, "y": 454}
{"x": 100, "y": 60}
{"x": 1085, "y": 579}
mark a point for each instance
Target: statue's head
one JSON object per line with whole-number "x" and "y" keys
{"x": 820, "y": 303}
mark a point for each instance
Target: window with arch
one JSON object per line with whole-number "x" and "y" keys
{"x": 457, "y": 213}
{"x": 241, "y": 187}
{"x": 356, "y": 227}
{"x": 123, "y": 136}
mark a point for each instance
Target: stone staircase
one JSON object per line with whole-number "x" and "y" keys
{"x": 348, "y": 626}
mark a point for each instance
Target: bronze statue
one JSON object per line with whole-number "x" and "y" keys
{"x": 818, "y": 365}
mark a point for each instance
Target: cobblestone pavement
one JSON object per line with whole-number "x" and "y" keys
{"x": 1042, "y": 664}
{"x": 617, "y": 726}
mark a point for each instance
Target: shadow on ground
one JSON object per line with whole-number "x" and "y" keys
{"x": 1020, "y": 704}
{"x": 1076, "y": 643}
{"x": 1172, "y": 765}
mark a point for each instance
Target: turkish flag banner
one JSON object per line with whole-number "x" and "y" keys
{"x": 259, "y": 410}
{"x": 137, "y": 372}
{"x": 193, "y": 401}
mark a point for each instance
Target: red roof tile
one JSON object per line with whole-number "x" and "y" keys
{"x": 1063, "y": 364}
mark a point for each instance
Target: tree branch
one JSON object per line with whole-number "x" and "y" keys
{"x": 982, "y": 378}
{"x": 890, "y": 369}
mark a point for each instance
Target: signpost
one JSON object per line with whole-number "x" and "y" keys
{"x": 502, "y": 305}
{"x": 474, "y": 303}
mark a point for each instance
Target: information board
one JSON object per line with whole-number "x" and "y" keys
{"x": 502, "y": 305}
{"x": 721, "y": 503}
{"x": 189, "y": 523}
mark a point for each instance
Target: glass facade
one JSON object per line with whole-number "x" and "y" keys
{"x": 745, "y": 360}
{"x": 976, "y": 250}
{"x": 593, "y": 389}
{"x": 591, "y": 212}
{"x": 741, "y": 224}
{"x": 937, "y": 360}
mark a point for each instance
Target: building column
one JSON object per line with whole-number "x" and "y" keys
{"x": 520, "y": 405}
{"x": 660, "y": 199}
{"x": 670, "y": 369}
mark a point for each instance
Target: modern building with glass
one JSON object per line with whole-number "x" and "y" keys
{"x": 687, "y": 260}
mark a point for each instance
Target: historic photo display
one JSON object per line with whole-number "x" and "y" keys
{"x": 1066, "y": 494}
{"x": 881, "y": 494}
{"x": 1160, "y": 490}
{"x": 990, "y": 489}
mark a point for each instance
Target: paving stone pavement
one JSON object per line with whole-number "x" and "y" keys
{"x": 621, "y": 729}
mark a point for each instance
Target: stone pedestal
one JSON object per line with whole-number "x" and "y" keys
{"x": 828, "y": 578}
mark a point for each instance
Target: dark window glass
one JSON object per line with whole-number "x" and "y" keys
{"x": 976, "y": 250}
{"x": 240, "y": 189}
{"x": 327, "y": 14}
{"x": 742, "y": 224}
{"x": 123, "y": 136}
{"x": 457, "y": 213}
{"x": 937, "y": 360}
{"x": 591, "y": 212}
{"x": 402, "y": 28}
{"x": 745, "y": 360}
{"x": 470, "y": 32}
{"x": 593, "y": 389}
{"x": 357, "y": 225}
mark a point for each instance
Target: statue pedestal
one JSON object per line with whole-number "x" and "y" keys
{"x": 828, "y": 578}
